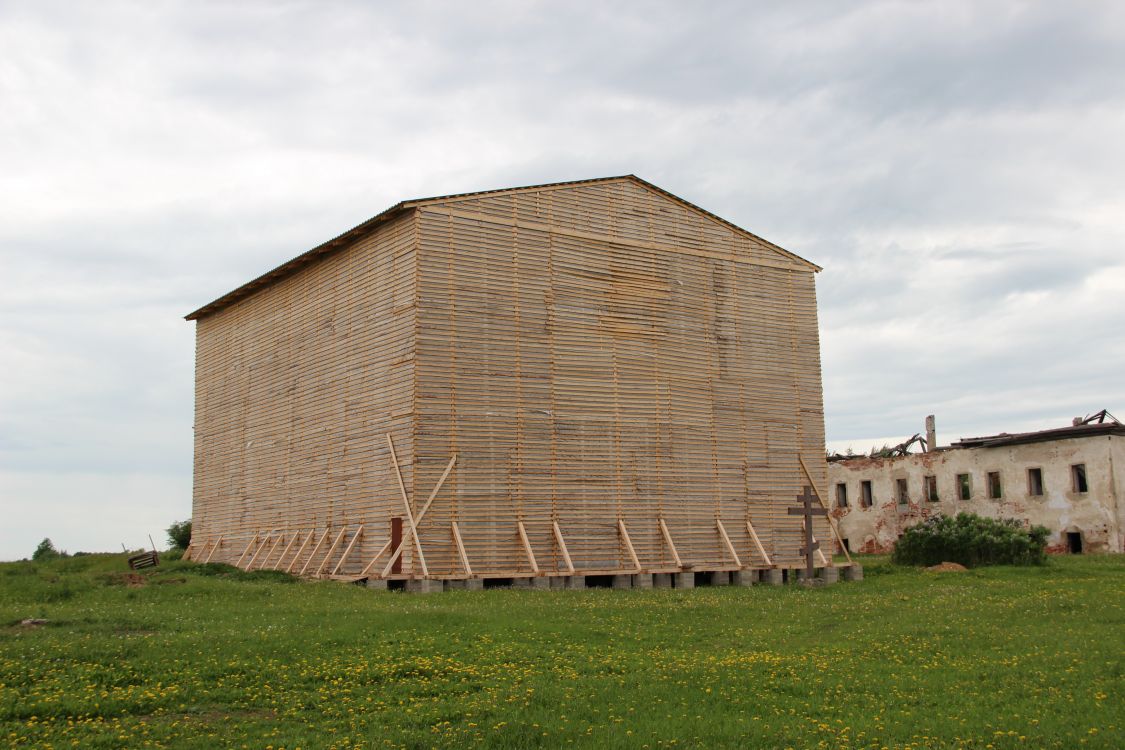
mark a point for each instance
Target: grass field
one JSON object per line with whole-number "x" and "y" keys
{"x": 202, "y": 657}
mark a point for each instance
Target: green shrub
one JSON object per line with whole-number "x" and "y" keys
{"x": 179, "y": 534}
{"x": 45, "y": 551}
{"x": 971, "y": 540}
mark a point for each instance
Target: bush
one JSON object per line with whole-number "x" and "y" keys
{"x": 971, "y": 541}
{"x": 46, "y": 551}
{"x": 179, "y": 534}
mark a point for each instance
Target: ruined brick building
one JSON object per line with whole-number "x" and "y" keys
{"x": 1068, "y": 479}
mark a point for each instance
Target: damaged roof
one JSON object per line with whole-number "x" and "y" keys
{"x": 1042, "y": 436}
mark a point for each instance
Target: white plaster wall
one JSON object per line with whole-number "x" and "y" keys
{"x": 1096, "y": 514}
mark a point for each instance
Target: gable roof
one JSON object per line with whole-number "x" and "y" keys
{"x": 309, "y": 257}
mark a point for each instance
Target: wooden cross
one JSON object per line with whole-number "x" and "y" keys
{"x": 808, "y": 511}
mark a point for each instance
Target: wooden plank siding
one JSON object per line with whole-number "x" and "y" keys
{"x": 296, "y": 389}
{"x": 598, "y": 356}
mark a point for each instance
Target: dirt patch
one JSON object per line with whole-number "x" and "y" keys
{"x": 32, "y": 622}
{"x": 132, "y": 580}
{"x": 947, "y": 567}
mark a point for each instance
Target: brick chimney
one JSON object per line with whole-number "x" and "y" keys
{"x": 931, "y": 434}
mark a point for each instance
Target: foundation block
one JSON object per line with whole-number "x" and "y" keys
{"x": 642, "y": 581}
{"x": 474, "y": 584}
{"x": 540, "y": 583}
{"x": 575, "y": 582}
{"x": 853, "y": 572}
{"x": 830, "y": 575}
{"x": 422, "y": 586}
{"x": 521, "y": 583}
{"x": 720, "y": 577}
{"x": 453, "y": 584}
{"x": 623, "y": 582}
{"x": 378, "y": 584}
{"x": 662, "y": 580}
{"x": 773, "y": 576}
{"x": 744, "y": 577}
{"x": 685, "y": 580}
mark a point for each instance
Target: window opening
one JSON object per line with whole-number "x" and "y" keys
{"x": 965, "y": 483}
{"x": 1035, "y": 481}
{"x": 866, "y": 499}
{"x": 929, "y": 488}
{"x": 841, "y": 495}
{"x": 903, "y": 491}
{"x": 995, "y": 491}
{"x": 1078, "y": 471}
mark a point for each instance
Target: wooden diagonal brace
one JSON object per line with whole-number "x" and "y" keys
{"x": 758, "y": 543}
{"x": 527, "y": 547}
{"x": 348, "y": 550}
{"x": 248, "y": 546}
{"x": 328, "y": 555}
{"x": 831, "y": 521}
{"x": 382, "y": 551}
{"x": 726, "y": 541}
{"x": 218, "y": 543}
{"x": 421, "y": 515}
{"x": 671, "y": 546}
{"x": 300, "y": 550}
{"x": 258, "y": 551}
{"x": 285, "y": 552}
{"x": 313, "y": 553}
{"x": 265, "y": 560}
{"x": 409, "y": 517}
{"x": 562, "y": 547}
{"x": 461, "y": 548}
{"x": 628, "y": 543}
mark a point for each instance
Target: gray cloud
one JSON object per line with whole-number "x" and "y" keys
{"x": 954, "y": 166}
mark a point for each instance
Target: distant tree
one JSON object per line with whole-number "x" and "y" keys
{"x": 179, "y": 534}
{"x": 45, "y": 551}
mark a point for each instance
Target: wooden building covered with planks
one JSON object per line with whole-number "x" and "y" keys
{"x": 556, "y": 381}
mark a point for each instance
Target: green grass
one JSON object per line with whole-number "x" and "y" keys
{"x": 200, "y": 657}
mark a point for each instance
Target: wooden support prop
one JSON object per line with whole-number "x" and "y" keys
{"x": 248, "y": 546}
{"x": 819, "y": 499}
{"x": 218, "y": 543}
{"x": 348, "y": 550}
{"x": 758, "y": 543}
{"x": 328, "y": 555}
{"x": 421, "y": 515}
{"x": 382, "y": 551}
{"x": 726, "y": 541}
{"x": 190, "y": 549}
{"x": 313, "y": 553}
{"x": 265, "y": 560}
{"x": 671, "y": 546}
{"x": 461, "y": 548}
{"x": 258, "y": 551}
{"x": 301, "y": 549}
{"x": 527, "y": 547}
{"x": 285, "y": 552}
{"x": 562, "y": 547}
{"x": 409, "y": 517}
{"x": 437, "y": 487}
{"x": 628, "y": 543}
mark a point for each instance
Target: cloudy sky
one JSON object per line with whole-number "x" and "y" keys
{"x": 956, "y": 167}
